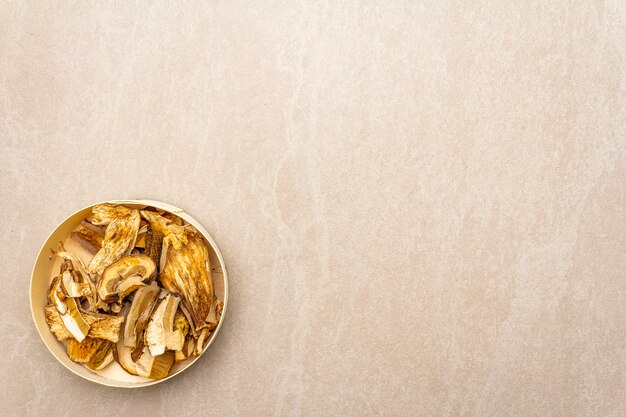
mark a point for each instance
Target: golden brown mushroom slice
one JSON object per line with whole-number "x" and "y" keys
{"x": 88, "y": 239}
{"x": 124, "y": 276}
{"x": 187, "y": 271}
{"x": 173, "y": 234}
{"x": 119, "y": 240}
{"x": 83, "y": 352}
{"x": 104, "y": 214}
{"x": 153, "y": 244}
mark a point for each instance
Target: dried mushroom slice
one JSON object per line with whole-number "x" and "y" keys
{"x": 79, "y": 282}
{"x": 83, "y": 352}
{"x": 187, "y": 272}
{"x": 155, "y": 367}
{"x": 139, "y": 314}
{"x": 56, "y": 296}
{"x": 173, "y": 234}
{"x": 203, "y": 337}
{"x": 73, "y": 288}
{"x": 103, "y": 357}
{"x": 187, "y": 350}
{"x": 119, "y": 241}
{"x": 160, "y": 334}
{"x": 74, "y": 321}
{"x": 67, "y": 310}
{"x": 145, "y": 364}
{"x": 124, "y": 276}
{"x": 101, "y": 326}
{"x": 87, "y": 238}
{"x": 104, "y": 214}
{"x": 154, "y": 245}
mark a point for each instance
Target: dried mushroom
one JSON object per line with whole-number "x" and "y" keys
{"x": 101, "y": 326}
{"x": 88, "y": 238}
{"x": 153, "y": 245}
{"x": 124, "y": 276}
{"x": 119, "y": 240}
{"x": 83, "y": 352}
{"x": 104, "y": 214}
{"x": 173, "y": 234}
{"x": 153, "y": 280}
{"x": 139, "y": 314}
{"x": 102, "y": 357}
{"x": 187, "y": 272}
{"x": 160, "y": 334}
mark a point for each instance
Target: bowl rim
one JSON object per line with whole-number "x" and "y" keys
{"x": 159, "y": 205}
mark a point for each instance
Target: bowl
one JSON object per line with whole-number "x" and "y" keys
{"x": 47, "y": 266}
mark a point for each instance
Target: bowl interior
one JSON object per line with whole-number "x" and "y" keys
{"x": 47, "y": 266}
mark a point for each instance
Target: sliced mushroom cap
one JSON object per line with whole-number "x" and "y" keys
{"x": 87, "y": 239}
{"x": 124, "y": 276}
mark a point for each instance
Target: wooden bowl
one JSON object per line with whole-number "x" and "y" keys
{"x": 47, "y": 266}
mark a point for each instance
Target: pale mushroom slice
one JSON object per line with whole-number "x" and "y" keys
{"x": 155, "y": 367}
{"x": 73, "y": 288}
{"x": 187, "y": 350}
{"x": 123, "y": 352}
{"x": 56, "y": 296}
{"x": 203, "y": 337}
{"x": 102, "y": 326}
{"x": 187, "y": 271}
{"x": 123, "y": 277}
{"x": 74, "y": 320}
{"x": 119, "y": 240}
{"x": 160, "y": 334}
{"x": 144, "y": 300}
{"x": 67, "y": 311}
{"x": 147, "y": 365}
{"x": 79, "y": 283}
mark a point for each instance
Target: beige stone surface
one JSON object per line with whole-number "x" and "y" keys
{"x": 421, "y": 204}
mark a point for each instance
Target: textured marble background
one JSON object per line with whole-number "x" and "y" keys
{"x": 421, "y": 204}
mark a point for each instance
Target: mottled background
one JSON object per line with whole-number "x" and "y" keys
{"x": 421, "y": 204}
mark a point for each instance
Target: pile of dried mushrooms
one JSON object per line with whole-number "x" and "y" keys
{"x": 146, "y": 297}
